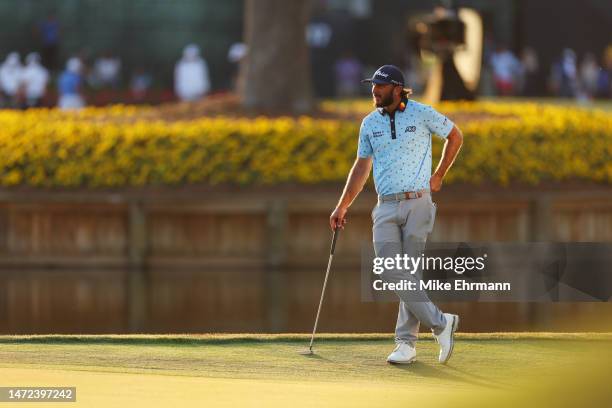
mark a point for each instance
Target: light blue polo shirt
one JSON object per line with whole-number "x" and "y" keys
{"x": 400, "y": 145}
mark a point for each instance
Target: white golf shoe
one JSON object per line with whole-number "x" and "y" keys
{"x": 404, "y": 353}
{"x": 446, "y": 338}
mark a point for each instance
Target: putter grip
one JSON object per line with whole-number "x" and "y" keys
{"x": 334, "y": 239}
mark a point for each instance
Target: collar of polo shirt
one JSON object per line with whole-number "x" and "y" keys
{"x": 401, "y": 107}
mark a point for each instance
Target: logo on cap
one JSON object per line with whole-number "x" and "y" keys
{"x": 380, "y": 73}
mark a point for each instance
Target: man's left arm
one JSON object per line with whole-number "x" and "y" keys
{"x": 453, "y": 143}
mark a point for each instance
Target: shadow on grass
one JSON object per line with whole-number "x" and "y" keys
{"x": 425, "y": 370}
{"x": 492, "y": 383}
{"x": 314, "y": 356}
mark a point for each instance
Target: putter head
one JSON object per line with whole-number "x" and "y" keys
{"x": 307, "y": 352}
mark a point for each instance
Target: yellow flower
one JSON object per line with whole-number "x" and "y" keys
{"x": 121, "y": 145}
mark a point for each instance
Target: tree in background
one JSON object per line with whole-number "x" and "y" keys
{"x": 276, "y": 72}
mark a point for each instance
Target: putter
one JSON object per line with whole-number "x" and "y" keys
{"x": 309, "y": 351}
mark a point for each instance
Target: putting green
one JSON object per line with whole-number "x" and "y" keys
{"x": 260, "y": 370}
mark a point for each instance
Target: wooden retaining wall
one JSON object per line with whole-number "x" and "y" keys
{"x": 189, "y": 260}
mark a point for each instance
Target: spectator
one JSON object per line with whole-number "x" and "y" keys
{"x": 530, "y": 81}
{"x": 140, "y": 84}
{"x": 235, "y": 55}
{"x": 322, "y": 43}
{"x": 564, "y": 76}
{"x": 589, "y": 73}
{"x": 604, "y": 80}
{"x": 34, "y": 80}
{"x": 569, "y": 73}
{"x": 486, "y": 87}
{"x": 106, "y": 72}
{"x": 348, "y": 71}
{"x": 191, "y": 80}
{"x": 506, "y": 68}
{"x": 49, "y": 31}
{"x": 10, "y": 80}
{"x": 69, "y": 86}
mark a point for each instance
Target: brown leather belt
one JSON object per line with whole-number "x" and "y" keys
{"x": 408, "y": 195}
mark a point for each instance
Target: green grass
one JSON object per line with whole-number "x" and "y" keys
{"x": 266, "y": 370}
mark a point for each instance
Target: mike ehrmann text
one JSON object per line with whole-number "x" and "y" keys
{"x": 437, "y": 285}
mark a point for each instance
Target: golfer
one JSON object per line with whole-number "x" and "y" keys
{"x": 396, "y": 138}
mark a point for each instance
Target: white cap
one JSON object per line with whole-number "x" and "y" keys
{"x": 12, "y": 58}
{"x": 191, "y": 51}
{"x": 237, "y": 52}
{"x": 74, "y": 65}
{"x": 33, "y": 58}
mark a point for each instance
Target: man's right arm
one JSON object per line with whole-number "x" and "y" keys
{"x": 354, "y": 184}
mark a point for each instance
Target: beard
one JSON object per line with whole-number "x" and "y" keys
{"x": 385, "y": 100}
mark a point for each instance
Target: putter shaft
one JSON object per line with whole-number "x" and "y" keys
{"x": 329, "y": 262}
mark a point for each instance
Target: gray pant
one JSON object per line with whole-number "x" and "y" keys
{"x": 401, "y": 227}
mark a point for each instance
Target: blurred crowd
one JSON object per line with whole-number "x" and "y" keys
{"x": 583, "y": 78}
{"x": 503, "y": 74}
{"x": 26, "y": 85}
{"x": 29, "y": 85}
{"x": 41, "y": 79}
{"x": 22, "y": 86}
